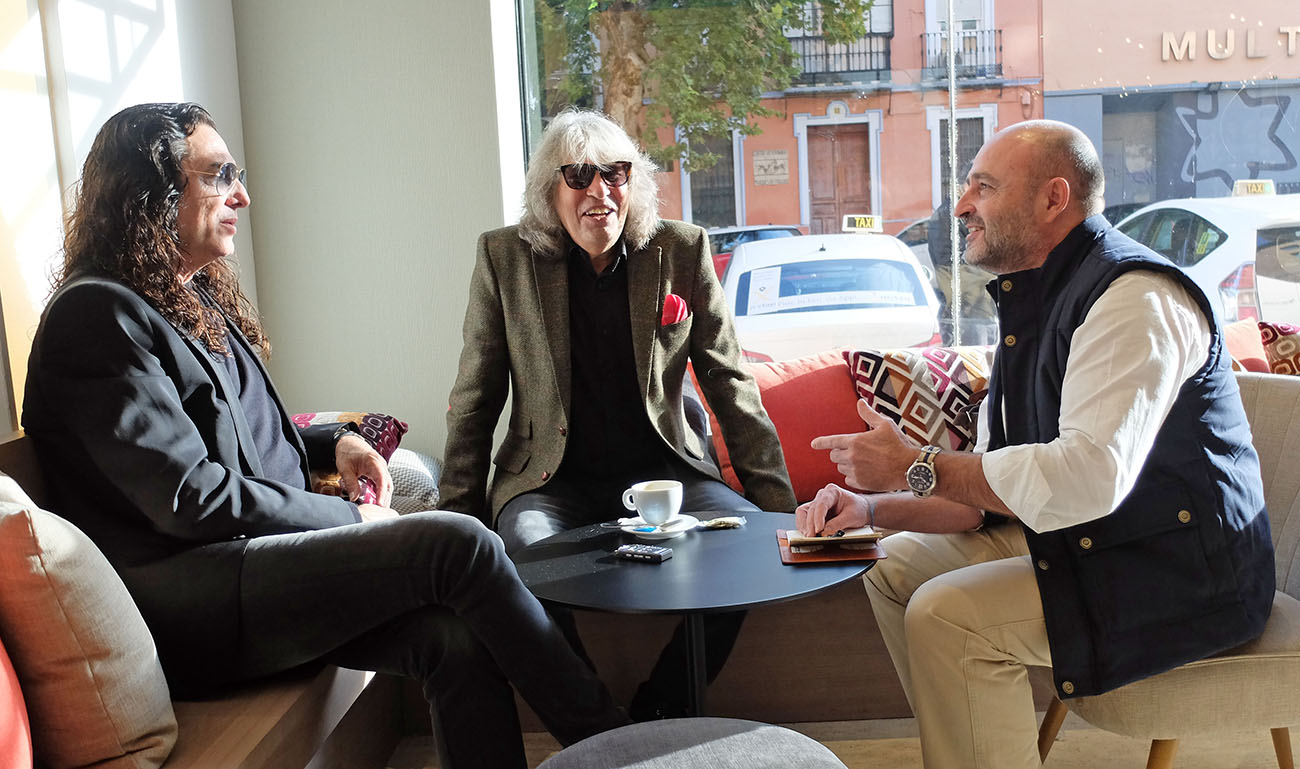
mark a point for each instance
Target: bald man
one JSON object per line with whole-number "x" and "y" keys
{"x": 1110, "y": 523}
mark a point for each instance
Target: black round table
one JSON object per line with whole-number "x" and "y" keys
{"x": 711, "y": 570}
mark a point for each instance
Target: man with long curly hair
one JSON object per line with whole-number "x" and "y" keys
{"x": 145, "y": 387}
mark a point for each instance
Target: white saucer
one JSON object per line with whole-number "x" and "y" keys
{"x": 675, "y": 527}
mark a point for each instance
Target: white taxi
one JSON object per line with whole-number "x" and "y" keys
{"x": 803, "y": 295}
{"x": 1244, "y": 251}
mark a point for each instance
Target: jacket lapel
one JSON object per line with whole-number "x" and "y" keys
{"x": 644, "y": 278}
{"x": 551, "y": 277}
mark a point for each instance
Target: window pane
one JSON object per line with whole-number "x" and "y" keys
{"x": 847, "y": 119}
{"x": 713, "y": 190}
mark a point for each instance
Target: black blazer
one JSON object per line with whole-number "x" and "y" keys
{"x": 145, "y": 447}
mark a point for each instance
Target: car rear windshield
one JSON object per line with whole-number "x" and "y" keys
{"x": 1176, "y": 233}
{"x": 828, "y": 284}
{"x": 1277, "y": 253}
{"x": 726, "y": 242}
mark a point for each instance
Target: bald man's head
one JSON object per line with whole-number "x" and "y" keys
{"x": 1062, "y": 150}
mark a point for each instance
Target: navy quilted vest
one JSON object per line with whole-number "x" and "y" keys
{"x": 1183, "y": 567}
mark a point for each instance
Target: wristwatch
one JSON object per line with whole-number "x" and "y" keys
{"x": 921, "y": 477}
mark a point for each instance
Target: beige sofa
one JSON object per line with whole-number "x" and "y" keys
{"x": 95, "y": 693}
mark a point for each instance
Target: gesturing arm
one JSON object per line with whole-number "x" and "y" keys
{"x": 731, "y": 392}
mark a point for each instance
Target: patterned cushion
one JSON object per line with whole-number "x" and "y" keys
{"x": 928, "y": 391}
{"x": 382, "y": 432}
{"x": 1281, "y": 346}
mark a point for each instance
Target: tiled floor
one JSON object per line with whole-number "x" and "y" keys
{"x": 892, "y": 744}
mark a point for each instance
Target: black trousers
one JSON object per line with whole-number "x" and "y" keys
{"x": 566, "y": 503}
{"x": 431, "y": 596}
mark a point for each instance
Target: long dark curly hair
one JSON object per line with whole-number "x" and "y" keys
{"x": 123, "y": 225}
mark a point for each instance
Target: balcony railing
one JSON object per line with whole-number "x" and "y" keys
{"x": 979, "y": 54}
{"x": 865, "y": 60}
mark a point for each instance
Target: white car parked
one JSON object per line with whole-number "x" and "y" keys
{"x": 803, "y": 295}
{"x": 1244, "y": 252}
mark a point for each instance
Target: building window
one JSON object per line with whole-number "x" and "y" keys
{"x": 712, "y": 191}
{"x": 974, "y": 127}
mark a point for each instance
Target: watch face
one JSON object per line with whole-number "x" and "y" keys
{"x": 920, "y": 478}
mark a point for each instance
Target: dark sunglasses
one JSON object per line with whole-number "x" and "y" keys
{"x": 579, "y": 175}
{"x": 225, "y": 176}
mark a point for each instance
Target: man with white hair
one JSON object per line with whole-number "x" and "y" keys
{"x": 587, "y": 314}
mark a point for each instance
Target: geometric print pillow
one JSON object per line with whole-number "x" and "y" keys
{"x": 382, "y": 432}
{"x": 1281, "y": 346}
{"x": 927, "y": 391}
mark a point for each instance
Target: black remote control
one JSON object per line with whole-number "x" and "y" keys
{"x": 647, "y": 553}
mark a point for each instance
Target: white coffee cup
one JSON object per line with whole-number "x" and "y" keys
{"x": 655, "y": 501}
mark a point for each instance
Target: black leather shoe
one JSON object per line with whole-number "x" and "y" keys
{"x": 650, "y": 705}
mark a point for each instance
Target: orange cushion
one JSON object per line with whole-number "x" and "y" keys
{"x": 15, "y": 732}
{"x": 805, "y": 397}
{"x": 1245, "y": 345}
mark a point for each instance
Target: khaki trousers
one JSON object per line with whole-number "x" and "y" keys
{"x": 961, "y": 617}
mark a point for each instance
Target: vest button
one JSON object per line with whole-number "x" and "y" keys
{"x": 1184, "y": 516}
{"x": 1085, "y": 543}
{"x": 546, "y": 474}
{"x": 1067, "y": 687}
{"x": 1006, "y": 286}
{"x": 1042, "y": 564}
{"x": 564, "y": 431}
{"x": 1010, "y": 340}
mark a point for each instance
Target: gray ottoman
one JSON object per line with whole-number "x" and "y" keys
{"x": 681, "y": 743}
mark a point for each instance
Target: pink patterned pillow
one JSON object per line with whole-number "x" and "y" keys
{"x": 383, "y": 432}
{"x": 1281, "y": 346}
{"x": 928, "y": 391}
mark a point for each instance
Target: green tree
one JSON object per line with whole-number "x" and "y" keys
{"x": 699, "y": 65}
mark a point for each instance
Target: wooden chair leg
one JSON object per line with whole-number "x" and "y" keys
{"x": 1282, "y": 747}
{"x": 1162, "y": 754}
{"x": 1052, "y": 721}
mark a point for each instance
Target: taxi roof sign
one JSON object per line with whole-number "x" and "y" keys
{"x": 863, "y": 223}
{"x": 1253, "y": 187}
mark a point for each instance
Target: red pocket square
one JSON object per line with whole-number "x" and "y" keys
{"x": 674, "y": 310}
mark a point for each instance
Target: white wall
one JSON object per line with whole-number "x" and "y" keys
{"x": 382, "y": 139}
{"x": 65, "y": 67}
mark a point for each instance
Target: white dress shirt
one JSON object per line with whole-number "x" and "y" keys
{"x": 1142, "y": 339}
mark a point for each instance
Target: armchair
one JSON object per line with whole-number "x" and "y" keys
{"x": 1248, "y": 687}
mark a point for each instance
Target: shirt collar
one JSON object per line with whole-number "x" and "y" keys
{"x": 578, "y": 256}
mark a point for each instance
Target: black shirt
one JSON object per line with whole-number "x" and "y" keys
{"x": 610, "y": 435}
{"x": 280, "y": 460}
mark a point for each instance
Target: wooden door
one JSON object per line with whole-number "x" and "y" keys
{"x": 839, "y": 174}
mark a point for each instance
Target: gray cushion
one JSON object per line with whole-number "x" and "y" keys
{"x": 682, "y": 743}
{"x": 415, "y": 481}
